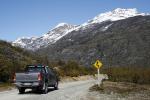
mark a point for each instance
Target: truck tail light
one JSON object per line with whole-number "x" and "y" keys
{"x": 39, "y": 77}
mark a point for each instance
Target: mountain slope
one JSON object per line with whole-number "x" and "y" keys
{"x": 62, "y": 29}
{"x": 117, "y": 14}
{"x": 118, "y": 38}
{"x": 12, "y": 59}
{"x": 51, "y": 37}
{"x": 125, "y": 43}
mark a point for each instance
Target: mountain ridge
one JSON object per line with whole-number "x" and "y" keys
{"x": 125, "y": 43}
{"x": 51, "y": 37}
{"x": 35, "y": 43}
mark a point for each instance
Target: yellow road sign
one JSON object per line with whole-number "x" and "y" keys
{"x": 98, "y": 64}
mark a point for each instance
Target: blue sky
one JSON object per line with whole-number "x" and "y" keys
{"x": 28, "y": 18}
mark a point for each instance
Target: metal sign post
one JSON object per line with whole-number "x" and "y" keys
{"x": 98, "y": 77}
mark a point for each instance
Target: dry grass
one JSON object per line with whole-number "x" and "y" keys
{"x": 6, "y": 86}
{"x": 140, "y": 75}
{"x": 119, "y": 87}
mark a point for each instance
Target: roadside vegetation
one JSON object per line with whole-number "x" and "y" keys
{"x": 122, "y": 90}
{"x": 119, "y": 87}
{"x": 140, "y": 75}
{"x": 6, "y": 86}
{"x": 125, "y": 82}
{"x": 12, "y": 59}
{"x": 15, "y": 59}
{"x": 71, "y": 68}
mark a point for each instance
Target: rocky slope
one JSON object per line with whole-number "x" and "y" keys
{"x": 118, "y": 38}
{"x": 117, "y": 43}
{"x": 63, "y": 29}
{"x": 51, "y": 37}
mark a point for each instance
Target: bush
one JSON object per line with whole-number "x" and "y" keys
{"x": 128, "y": 74}
{"x": 72, "y": 68}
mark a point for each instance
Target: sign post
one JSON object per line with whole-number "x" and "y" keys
{"x": 98, "y": 77}
{"x": 98, "y": 64}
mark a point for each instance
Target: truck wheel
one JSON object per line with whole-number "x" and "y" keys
{"x": 56, "y": 86}
{"x": 21, "y": 90}
{"x": 45, "y": 88}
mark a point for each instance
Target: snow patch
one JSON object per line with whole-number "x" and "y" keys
{"x": 60, "y": 24}
{"x": 106, "y": 27}
{"x": 117, "y": 14}
{"x": 34, "y": 43}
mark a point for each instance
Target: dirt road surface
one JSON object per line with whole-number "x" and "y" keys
{"x": 67, "y": 91}
{"x": 77, "y": 90}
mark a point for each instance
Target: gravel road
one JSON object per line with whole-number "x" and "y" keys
{"x": 67, "y": 91}
{"x": 78, "y": 90}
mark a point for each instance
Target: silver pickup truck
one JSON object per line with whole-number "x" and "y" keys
{"x": 36, "y": 77}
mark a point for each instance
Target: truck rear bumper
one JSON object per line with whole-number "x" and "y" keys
{"x": 28, "y": 84}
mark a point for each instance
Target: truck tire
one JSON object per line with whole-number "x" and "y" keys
{"x": 21, "y": 90}
{"x": 45, "y": 88}
{"x": 56, "y": 86}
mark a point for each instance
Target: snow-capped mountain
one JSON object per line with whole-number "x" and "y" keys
{"x": 117, "y": 14}
{"x": 51, "y": 37}
{"x": 63, "y": 29}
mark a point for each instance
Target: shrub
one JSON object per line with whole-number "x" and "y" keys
{"x": 128, "y": 74}
{"x": 72, "y": 68}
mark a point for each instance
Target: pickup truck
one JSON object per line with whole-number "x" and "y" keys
{"x": 38, "y": 77}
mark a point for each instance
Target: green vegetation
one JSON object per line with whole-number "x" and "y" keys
{"x": 12, "y": 59}
{"x": 139, "y": 75}
{"x": 15, "y": 59}
{"x": 73, "y": 69}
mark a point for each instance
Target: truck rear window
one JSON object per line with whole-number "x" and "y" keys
{"x": 35, "y": 69}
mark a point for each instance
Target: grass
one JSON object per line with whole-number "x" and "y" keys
{"x": 97, "y": 88}
{"x": 6, "y": 86}
{"x": 140, "y": 75}
{"x": 122, "y": 88}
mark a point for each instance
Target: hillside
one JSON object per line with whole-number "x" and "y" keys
{"x": 34, "y": 43}
{"x": 124, "y": 43}
{"x": 119, "y": 38}
{"x": 12, "y": 59}
{"x": 62, "y": 29}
